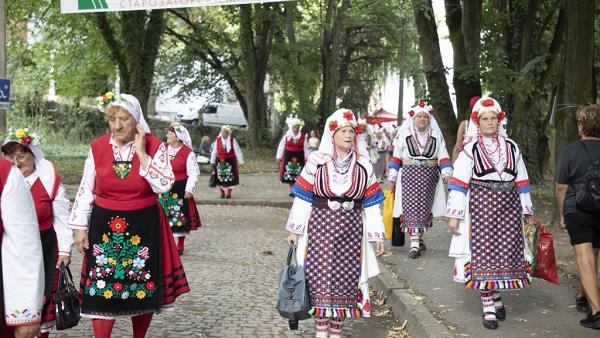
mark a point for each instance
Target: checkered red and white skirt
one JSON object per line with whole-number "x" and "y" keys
{"x": 497, "y": 243}
{"x": 418, "y": 191}
{"x": 333, "y": 262}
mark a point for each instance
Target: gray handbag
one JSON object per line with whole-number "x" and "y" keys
{"x": 292, "y": 296}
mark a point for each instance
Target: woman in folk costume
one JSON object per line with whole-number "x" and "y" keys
{"x": 420, "y": 156}
{"x": 334, "y": 217}
{"x": 489, "y": 194}
{"x": 292, "y": 151}
{"x": 131, "y": 267}
{"x": 381, "y": 143}
{"x": 52, "y": 210}
{"x": 226, "y": 156}
{"x": 179, "y": 203}
{"x": 22, "y": 263}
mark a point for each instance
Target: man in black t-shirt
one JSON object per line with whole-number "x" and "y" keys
{"x": 583, "y": 227}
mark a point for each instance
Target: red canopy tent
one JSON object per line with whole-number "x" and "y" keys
{"x": 381, "y": 116}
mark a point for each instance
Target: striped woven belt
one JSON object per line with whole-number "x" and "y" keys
{"x": 412, "y": 161}
{"x": 495, "y": 185}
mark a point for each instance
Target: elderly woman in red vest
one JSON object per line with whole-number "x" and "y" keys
{"x": 179, "y": 203}
{"x": 131, "y": 267}
{"x": 52, "y": 210}
{"x": 292, "y": 151}
{"x": 226, "y": 156}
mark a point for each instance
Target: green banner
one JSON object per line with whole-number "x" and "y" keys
{"x": 82, "y": 6}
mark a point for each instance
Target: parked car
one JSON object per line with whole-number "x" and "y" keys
{"x": 188, "y": 116}
{"x": 220, "y": 114}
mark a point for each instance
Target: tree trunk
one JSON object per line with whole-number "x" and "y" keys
{"x": 464, "y": 31}
{"x": 434, "y": 70}
{"x": 401, "y": 74}
{"x": 330, "y": 50}
{"x": 578, "y": 66}
{"x": 256, "y": 48}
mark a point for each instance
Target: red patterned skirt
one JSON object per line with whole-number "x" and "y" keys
{"x": 418, "y": 191}
{"x": 332, "y": 265}
{"x": 497, "y": 243}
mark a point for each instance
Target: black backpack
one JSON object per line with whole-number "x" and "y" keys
{"x": 587, "y": 194}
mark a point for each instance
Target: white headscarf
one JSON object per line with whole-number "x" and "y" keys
{"x": 292, "y": 121}
{"x": 421, "y": 107}
{"x": 182, "y": 134}
{"x": 339, "y": 119}
{"x": 485, "y": 104}
{"x": 28, "y": 139}
{"x": 129, "y": 103}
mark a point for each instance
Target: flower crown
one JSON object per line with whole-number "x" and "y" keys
{"x": 346, "y": 121}
{"x": 105, "y": 100}
{"x": 23, "y": 136}
{"x": 176, "y": 126}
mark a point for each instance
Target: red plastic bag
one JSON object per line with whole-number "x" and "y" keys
{"x": 545, "y": 260}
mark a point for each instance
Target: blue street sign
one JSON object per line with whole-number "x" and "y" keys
{"x": 4, "y": 93}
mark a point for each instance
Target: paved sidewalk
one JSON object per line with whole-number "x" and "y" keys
{"x": 232, "y": 264}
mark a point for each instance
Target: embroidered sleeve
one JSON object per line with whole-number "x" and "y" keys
{"x": 523, "y": 185}
{"x": 396, "y": 161}
{"x": 82, "y": 207}
{"x": 463, "y": 171}
{"x": 373, "y": 195}
{"x": 298, "y": 216}
{"x": 280, "y": 148}
{"x": 159, "y": 174}
{"x": 193, "y": 172}
{"x": 374, "y": 225}
{"x": 456, "y": 205}
{"x": 21, "y": 254}
{"x": 60, "y": 211}
{"x": 443, "y": 158}
{"x": 238, "y": 152}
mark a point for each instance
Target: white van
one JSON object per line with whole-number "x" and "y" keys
{"x": 220, "y": 114}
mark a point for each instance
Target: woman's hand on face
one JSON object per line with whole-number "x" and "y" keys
{"x": 82, "y": 240}
{"x": 292, "y": 238}
{"x": 453, "y": 226}
{"x": 140, "y": 140}
{"x": 379, "y": 248}
{"x": 63, "y": 259}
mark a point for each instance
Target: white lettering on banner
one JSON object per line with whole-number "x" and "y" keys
{"x": 82, "y": 6}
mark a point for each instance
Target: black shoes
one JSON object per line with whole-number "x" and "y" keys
{"x": 414, "y": 253}
{"x": 591, "y": 321}
{"x": 490, "y": 324}
{"x": 501, "y": 313}
{"x": 422, "y": 246}
{"x": 581, "y": 304}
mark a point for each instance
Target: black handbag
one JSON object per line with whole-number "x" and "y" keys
{"x": 292, "y": 296}
{"x": 212, "y": 181}
{"x": 67, "y": 302}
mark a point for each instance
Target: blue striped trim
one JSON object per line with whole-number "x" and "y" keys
{"x": 394, "y": 165}
{"x": 302, "y": 194}
{"x": 374, "y": 200}
{"x": 446, "y": 165}
{"x": 524, "y": 189}
{"x": 457, "y": 188}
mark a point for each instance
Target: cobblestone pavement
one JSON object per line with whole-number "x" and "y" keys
{"x": 232, "y": 264}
